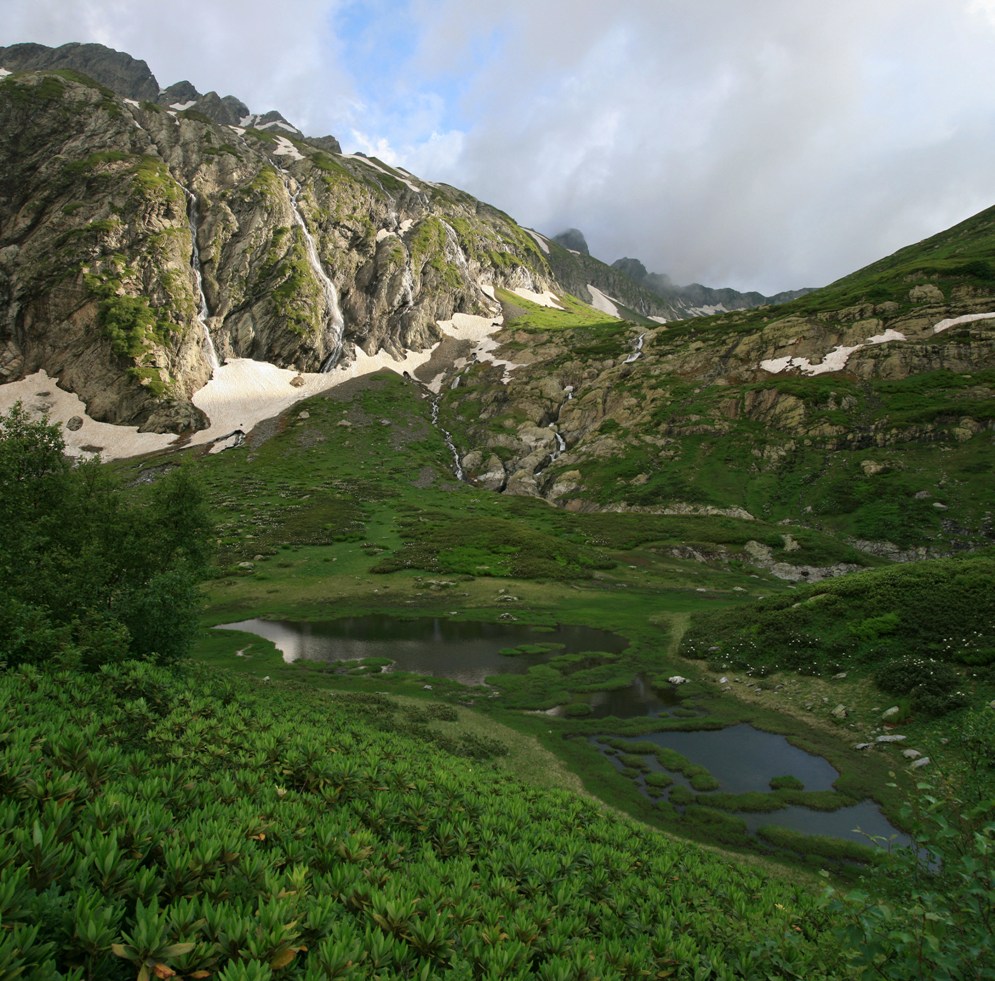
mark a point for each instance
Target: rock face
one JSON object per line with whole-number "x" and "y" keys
{"x": 116, "y": 70}
{"x": 573, "y": 239}
{"x": 110, "y": 205}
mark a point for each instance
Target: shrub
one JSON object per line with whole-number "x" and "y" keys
{"x": 931, "y": 685}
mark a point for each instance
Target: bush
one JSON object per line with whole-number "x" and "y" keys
{"x": 88, "y": 574}
{"x": 932, "y": 686}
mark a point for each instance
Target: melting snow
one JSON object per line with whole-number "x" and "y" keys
{"x": 540, "y": 241}
{"x": 39, "y": 395}
{"x": 284, "y": 148}
{"x": 241, "y": 394}
{"x": 183, "y": 106}
{"x": 238, "y": 129}
{"x": 835, "y": 360}
{"x": 967, "y": 319}
{"x": 603, "y": 302}
{"x": 376, "y": 166}
{"x": 467, "y": 327}
{"x": 133, "y": 102}
{"x": 888, "y": 335}
{"x": 546, "y": 299}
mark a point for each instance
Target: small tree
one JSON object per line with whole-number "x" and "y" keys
{"x": 87, "y": 572}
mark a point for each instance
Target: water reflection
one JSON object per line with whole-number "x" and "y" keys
{"x": 466, "y": 651}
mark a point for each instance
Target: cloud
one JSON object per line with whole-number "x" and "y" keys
{"x": 765, "y": 146}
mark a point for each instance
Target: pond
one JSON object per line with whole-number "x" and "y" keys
{"x": 742, "y": 759}
{"x": 464, "y": 650}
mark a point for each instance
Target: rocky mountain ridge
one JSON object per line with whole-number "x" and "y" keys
{"x": 136, "y": 238}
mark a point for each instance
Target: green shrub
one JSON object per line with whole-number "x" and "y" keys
{"x": 932, "y": 686}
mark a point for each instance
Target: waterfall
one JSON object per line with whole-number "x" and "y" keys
{"x": 638, "y": 352}
{"x": 335, "y": 323}
{"x": 457, "y": 466}
{"x": 203, "y": 313}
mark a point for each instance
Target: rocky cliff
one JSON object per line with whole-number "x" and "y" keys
{"x": 134, "y": 238}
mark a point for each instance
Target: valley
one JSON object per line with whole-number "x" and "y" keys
{"x": 696, "y": 614}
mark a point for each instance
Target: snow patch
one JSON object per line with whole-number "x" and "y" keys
{"x": 540, "y": 241}
{"x": 955, "y": 321}
{"x": 546, "y": 299}
{"x": 241, "y": 394}
{"x": 603, "y": 302}
{"x": 659, "y": 320}
{"x": 383, "y": 233}
{"x": 488, "y": 290}
{"x": 284, "y": 148}
{"x": 130, "y": 102}
{"x": 480, "y": 330}
{"x": 375, "y": 166}
{"x": 4, "y": 73}
{"x": 835, "y": 360}
{"x": 238, "y": 129}
{"x": 183, "y": 106}
{"x": 40, "y": 395}
{"x": 248, "y": 121}
{"x": 888, "y": 335}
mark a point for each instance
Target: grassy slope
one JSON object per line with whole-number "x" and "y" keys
{"x": 203, "y": 825}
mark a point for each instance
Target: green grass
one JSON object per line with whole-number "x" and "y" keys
{"x": 200, "y": 824}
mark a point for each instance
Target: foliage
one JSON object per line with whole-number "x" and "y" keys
{"x": 158, "y": 825}
{"x": 85, "y": 574}
{"x": 932, "y": 685}
{"x": 944, "y": 609}
{"x": 929, "y": 911}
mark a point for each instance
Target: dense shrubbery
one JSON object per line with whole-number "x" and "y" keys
{"x": 86, "y": 574}
{"x": 944, "y": 611}
{"x": 928, "y": 913}
{"x": 155, "y": 824}
{"x": 932, "y": 686}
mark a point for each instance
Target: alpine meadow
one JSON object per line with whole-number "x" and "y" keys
{"x": 388, "y": 590}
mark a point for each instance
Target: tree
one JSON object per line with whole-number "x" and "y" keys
{"x": 89, "y": 572}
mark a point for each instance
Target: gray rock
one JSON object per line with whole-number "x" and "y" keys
{"x": 920, "y": 763}
{"x": 891, "y": 713}
{"x": 911, "y": 754}
{"x": 890, "y": 739}
{"x": 840, "y": 712}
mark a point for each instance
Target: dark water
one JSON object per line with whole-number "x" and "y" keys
{"x": 629, "y": 703}
{"x": 466, "y": 651}
{"x": 743, "y": 759}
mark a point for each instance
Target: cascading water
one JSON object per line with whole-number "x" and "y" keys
{"x": 638, "y": 353}
{"x": 203, "y": 312}
{"x": 335, "y": 324}
{"x": 457, "y": 466}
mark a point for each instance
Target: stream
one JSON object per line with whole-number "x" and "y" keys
{"x": 334, "y": 324}
{"x": 203, "y": 313}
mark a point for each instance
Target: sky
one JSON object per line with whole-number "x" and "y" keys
{"x": 764, "y": 145}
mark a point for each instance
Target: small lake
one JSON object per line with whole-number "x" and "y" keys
{"x": 466, "y": 651}
{"x": 743, "y": 759}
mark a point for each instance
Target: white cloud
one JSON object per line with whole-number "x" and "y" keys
{"x": 767, "y": 145}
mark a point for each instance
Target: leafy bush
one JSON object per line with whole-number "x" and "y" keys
{"x": 157, "y": 825}
{"x": 927, "y": 912}
{"x": 86, "y": 573}
{"x": 932, "y": 686}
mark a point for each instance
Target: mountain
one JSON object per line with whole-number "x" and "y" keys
{"x": 700, "y": 300}
{"x": 145, "y": 241}
{"x": 132, "y": 234}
